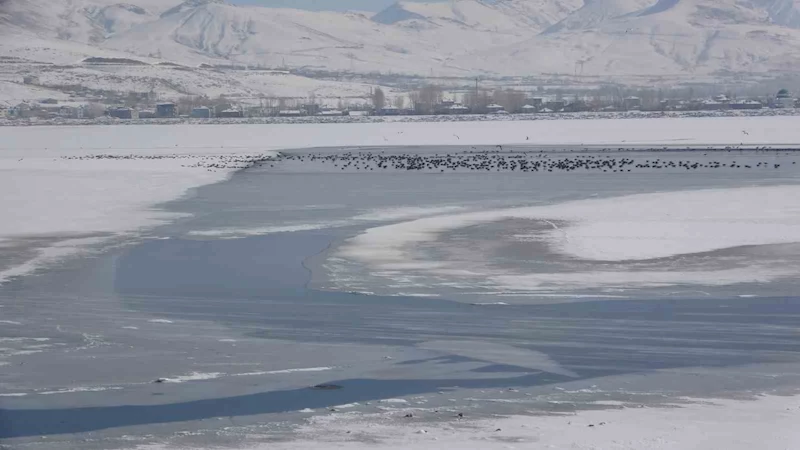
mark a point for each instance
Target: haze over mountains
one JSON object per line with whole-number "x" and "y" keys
{"x": 612, "y": 39}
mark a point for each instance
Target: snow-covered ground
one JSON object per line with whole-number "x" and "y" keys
{"x": 48, "y": 196}
{"x": 766, "y": 422}
{"x": 172, "y": 82}
{"x": 619, "y": 41}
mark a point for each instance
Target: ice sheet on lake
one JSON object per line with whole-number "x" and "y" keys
{"x": 377, "y": 215}
{"x": 623, "y": 229}
{"x": 194, "y": 376}
{"x": 55, "y": 197}
{"x": 499, "y": 354}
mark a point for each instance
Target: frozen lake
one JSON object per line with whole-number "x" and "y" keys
{"x": 449, "y": 280}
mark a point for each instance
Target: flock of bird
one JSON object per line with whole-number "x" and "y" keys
{"x": 208, "y": 162}
{"x": 496, "y": 161}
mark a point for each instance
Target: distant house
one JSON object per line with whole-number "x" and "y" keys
{"x": 147, "y": 115}
{"x": 123, "y": 113}
{"x": 746, "y": 104}
{"x": 714, "y": 105}
{"x": 202, "y": 112}
{"x": 290, "y": 113}
{"x": 21, "y": 111}
{"x": 494, "y": 108}
{"x": 457, "y": 109}
{"x": 555, "y": 105}
{"x": 164, "y": 110}
{"x": 632, "y": 103}
{"x": 529, "y": 109}
{"x": 784, "y": 99}
{"x": 230, "y": 113}
{"x": 389, "y": 111}
{"x": 311, "y": 109}
{"x": 71, "y": 112}
{"x": 330, "y": 113}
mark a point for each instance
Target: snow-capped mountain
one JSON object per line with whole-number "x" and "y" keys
{"x": 480, "y": 15}
{"x": 681, "y": 39}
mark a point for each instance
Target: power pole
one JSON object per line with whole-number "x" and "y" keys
{"x": 476, "y": 100}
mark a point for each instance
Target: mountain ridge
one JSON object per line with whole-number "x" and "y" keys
{"x": 598, "y": 38}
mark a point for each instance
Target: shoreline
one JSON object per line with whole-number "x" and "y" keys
{"x": 765, "y": 112}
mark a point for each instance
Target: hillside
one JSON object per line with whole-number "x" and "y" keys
{"x": 633, "y": 41}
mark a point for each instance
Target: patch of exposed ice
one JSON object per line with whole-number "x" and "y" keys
{"x": 258, "y": 231}
{"x": 499, "y": 354}
{"x": 57, "y": 252}
{"x": 81, "y": 389}
{"x": 415, "y": 294}
{"x": 346, "y": 406}
{"x": 407, "y": 212}
{"x": 160, "y": 321}
{"x": 283, "y": 371}
{"x": 22, "y": 339}
{"x": 194, "y": 376}
{"x": 394, "y": 400}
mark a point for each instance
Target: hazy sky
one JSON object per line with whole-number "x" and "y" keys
{"x": 329, "y": 5}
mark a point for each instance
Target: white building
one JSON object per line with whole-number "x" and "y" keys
{"x": 457, "y": 109}
{"x": 494, "y": 107}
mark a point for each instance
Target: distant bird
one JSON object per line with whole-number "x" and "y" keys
{"x": 745, "y": 132}
{"x": 457, "y": 137}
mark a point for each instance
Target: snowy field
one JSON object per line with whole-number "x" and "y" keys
{"x": 73, "y": 190}
{"x": 765, "y": 422}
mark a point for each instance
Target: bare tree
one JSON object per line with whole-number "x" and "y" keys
{"x": 400, "y": 102}
{"x": 511, "y": 100}
{"x": 94, "y": 110}
{"x": 186, "y": 104}
{"x": 426, "y": 99}
{"x": 477, "y": 101}
{"x": 378, "y": 99}
{"x": 220, "y": 104}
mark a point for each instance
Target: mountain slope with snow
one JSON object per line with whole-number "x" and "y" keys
{"x": 619, "y": 39}
{"x": 685, "y": 38}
